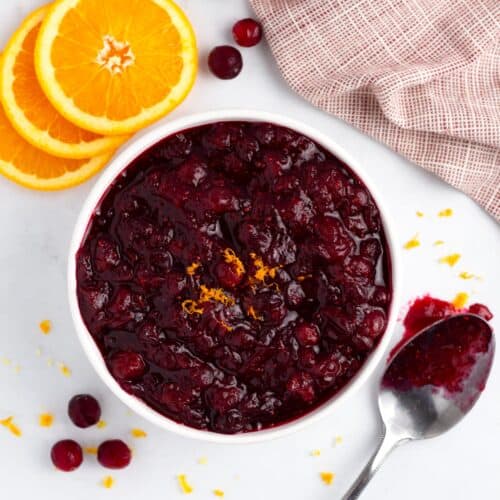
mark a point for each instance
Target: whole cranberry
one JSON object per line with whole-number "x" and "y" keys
{"x": 114, "y": 454}
{"x": 301, "y": 385}
{"x": 228, "y": 274}
{"x": 247, "y": 32}
{"x": 67, "y": 455}
{"x": 127, "y": 365}
{"x": 307, "y": 334}
{"x": 225, "y": 62}
{"x": 84, "y": 410}
{"x": 373, "y": 324}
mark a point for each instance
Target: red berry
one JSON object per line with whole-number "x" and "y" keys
{"x": 301, "y": 385}
{"x": 127, "y": 365}
{"x": 228, "y": 274}
{"x": 247, "y": 32}
{"x": 225, "y": 62}
{"x": 307, "y": 334}
{"x": 84, "y": 410}
{"x": 481, "y": 310}
{"x": 66, "y": 455}
{"x": 114, "y": 454}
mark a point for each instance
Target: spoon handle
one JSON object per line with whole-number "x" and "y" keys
{"x": 386, "y": 445}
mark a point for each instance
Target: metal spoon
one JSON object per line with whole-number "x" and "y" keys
{"x": 422, "y": 412}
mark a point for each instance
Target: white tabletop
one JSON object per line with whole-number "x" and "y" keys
{"x": 35, "y": 230}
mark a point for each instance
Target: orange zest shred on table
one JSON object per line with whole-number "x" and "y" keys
{"x": 413, "y": 243}
{"x": 64, "y": 369}
{"x": 45, "y": 326}
{"x": 138, "y": 433}
{"x": 466, "y": 276}
{"x": 460, "y": 300}
{"x": 447, "y": 212}
{"x": 184, "y": 485}
{"x": 46, "y": 420}
{"x": 451, "y": 259}
{"x": 327, "y": 477}
{"x": 9, "y": 424}
{"x": 108, "y": 482}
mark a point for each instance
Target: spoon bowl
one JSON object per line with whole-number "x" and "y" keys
{"x": 432, "y": 381}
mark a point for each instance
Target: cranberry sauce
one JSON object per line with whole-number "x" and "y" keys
{"x": 235, "y": 276}
{"x": 443, "y": 357}
{"x": 427, "y": 310}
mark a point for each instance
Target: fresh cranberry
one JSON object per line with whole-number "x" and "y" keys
{"x": 225, "y": 62}
{"x": 247, "y": 32}
{"x": 114, "y": 454}
{"x": 127, "y": 365}
{"x": 84, "y": 410}
{"x": 67, "y": 455}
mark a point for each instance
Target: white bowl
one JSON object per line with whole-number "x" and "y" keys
{"x": 131, "y": 151}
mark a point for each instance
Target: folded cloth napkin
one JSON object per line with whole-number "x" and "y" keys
{"x": 422, "y": 76}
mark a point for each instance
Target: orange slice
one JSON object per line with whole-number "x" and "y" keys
{"x": 29, "y": 110}
{"x": 114, "y": 66}
{"x": 30, "y": 167}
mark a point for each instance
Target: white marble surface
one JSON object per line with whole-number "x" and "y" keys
{"x": 35, "y": 229}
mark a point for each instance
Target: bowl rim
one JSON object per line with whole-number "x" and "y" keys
{"x": 118, "y": 164}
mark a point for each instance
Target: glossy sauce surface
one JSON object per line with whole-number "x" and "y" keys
{"x": 444, "y": 356}
{"x": 235, "y": 276}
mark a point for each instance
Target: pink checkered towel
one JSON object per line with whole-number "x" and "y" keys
{"x": 422, "y": 76}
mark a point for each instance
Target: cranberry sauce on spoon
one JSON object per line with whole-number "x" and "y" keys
{"x": 235, "y": 276}
{"x": 444, "y": 356}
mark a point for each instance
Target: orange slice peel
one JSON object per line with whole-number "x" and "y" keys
{"x": 28, "y": 166}
{"x": 29, "y": 110}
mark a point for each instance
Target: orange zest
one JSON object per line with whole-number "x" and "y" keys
{"x": 451, "y": 259}
{"x": 460, "y": 300}
{"x": 190, "y": 306}
{"x": 413, "y": 243}
{"x": 261, "y": 270}
{"x": 46, "y": 420}
{"x": 9, "y": 424}
{"x": 447, "y": 212}
{"x": 45, "y": 326}
{"x": 230, "y": 257}
{"x": 327, "y": 477}
{"x": 183, "y": 484}
{"x": 191, "y": 270}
